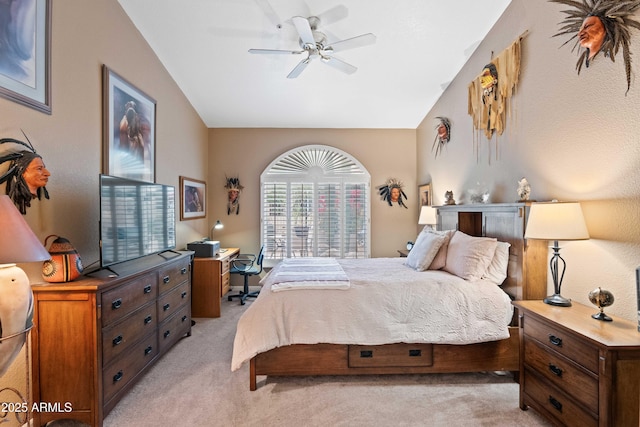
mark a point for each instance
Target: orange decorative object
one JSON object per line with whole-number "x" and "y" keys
{"x": 65, "y": 264}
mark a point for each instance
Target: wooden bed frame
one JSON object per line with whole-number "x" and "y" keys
{"x": 526, "y": 279}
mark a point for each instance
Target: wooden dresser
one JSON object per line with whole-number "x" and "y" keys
{"x": 211, "y": 281}
{"x": 576, "y": 370}
{"x": 95, "y": 337}
{"x": 528, "y": 259}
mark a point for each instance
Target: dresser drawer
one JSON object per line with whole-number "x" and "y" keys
{"x": 172, "y": 275}
{"x": 121, "y": 335}
{"x": 174, "y": 328}
{"x": 127, "y": 367}
{"x": 173, "y": 300}
{"x": 563, "y": 342}
{"x": 225, "y": 283}
{"x": 580, "y": 383}
{"x": 124, "y": 299}
{"x": 225, "y": 264}
{"x": 551, "y": 399}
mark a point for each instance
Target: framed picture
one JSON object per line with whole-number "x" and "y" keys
{"x": 25, "y": 68}
{"x": 129, "y": 129}
{"x": 425, "y": 194}
{"x": 193, "y": 198}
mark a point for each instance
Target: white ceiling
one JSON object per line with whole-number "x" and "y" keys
{"x": 421, "y": 45}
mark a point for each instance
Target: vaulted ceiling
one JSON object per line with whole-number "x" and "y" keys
{"x": 420, "y": 46}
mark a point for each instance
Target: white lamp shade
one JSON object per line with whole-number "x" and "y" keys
{"x": 17, "y": 241}
{"x": 556, "y": 221}
{"x": 427, "y": 216}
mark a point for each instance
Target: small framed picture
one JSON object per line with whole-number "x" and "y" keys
{"x": 425, "y": 194}
{"x": 25, "y": 53}
{"x": 193, "y": 198}
{"x": 129, "y": 129}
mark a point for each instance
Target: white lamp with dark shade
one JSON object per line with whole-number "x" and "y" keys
{"x": 556, "y": 221}
{"x": 18, "y": 244}
{"x": 427, "y": 216}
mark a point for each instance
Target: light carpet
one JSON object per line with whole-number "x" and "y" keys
{"x": 193, "y": 385}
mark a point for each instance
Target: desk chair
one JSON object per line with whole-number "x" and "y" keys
{"x": 246, "y": 265}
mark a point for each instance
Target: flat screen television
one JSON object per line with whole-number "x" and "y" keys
{"x": 136, "y": 219}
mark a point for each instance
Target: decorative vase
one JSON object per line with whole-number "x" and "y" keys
{"x": 601, "y": 298}
{"x": 16, "y": 313}
{"x": 65, "y": 264}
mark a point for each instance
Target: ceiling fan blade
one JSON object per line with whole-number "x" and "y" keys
{"x": 304, "y": 30}
{"x": 299, "y": 68}
{"x": 352, "y": 43}
{"x": 277, "y": 51}
{"x": 339, "y": 64}
{"x": 334, "y": 14}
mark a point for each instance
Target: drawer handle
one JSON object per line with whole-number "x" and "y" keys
{"x": 117, "y": 340}
{"x": 183, "y": 295}
{"x": 555, "y": 403}
{"x": 184, "y": 318}
{"x": 147, "y": 289}
{"x": 116, "y": 304}
{"x": 167, "y": 333}
{"x": 366, "y": 353}
{"x": 415, "y": 353}
{"x": 147, "y": 319}
{"x": 166, "y": 306}
{"x": 148, "y": 350}
{"x": 166, "y": 279}
{"x": 117, "y": 377}
{"x": 183, "y": 270}
{"x": 555, "y": 340}
{"x": 555, "y": 370}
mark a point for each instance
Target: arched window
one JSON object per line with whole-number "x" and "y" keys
{"x": 315, "y": 203}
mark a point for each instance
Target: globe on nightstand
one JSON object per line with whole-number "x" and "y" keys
{"x": 601, "y": 299}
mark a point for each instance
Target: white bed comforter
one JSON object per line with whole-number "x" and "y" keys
{"x": 387, "y": 302}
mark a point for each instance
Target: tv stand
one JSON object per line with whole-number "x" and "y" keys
{"x": 95, "y": 337}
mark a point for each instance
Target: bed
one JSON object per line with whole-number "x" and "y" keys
{"x": 390, "y": 318}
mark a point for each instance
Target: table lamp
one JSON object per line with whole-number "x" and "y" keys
{"x": 17, "y": 244}
{"x": 556, "y": 221}
{"x": 428, "y": 216}
{"x": 217, "y": 226}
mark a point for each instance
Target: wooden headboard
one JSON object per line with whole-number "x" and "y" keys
{"x": 527, "y": 271}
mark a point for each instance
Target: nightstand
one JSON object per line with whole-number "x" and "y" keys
{"x": 576, "y": 370}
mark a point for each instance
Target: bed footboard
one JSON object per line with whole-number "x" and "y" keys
{"x": 342, "y": 359}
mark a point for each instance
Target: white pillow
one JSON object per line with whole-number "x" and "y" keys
{"x": 424, "y": 250}
{"x": 468, "y": 257}
{"x": 497, "y": 270}
{"x": 441, "y": 257}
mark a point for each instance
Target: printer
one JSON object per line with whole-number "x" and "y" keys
{"x": 205, "y": 248}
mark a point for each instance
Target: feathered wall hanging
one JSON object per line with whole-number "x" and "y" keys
{"x": 443, "y": 134}
{"x": 392, "y": 192}
{"x": 233, "y": 195}
{"x": 600, "y": 26}
{"x": 27, "y": 175}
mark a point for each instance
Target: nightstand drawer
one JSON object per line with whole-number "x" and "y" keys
{"x": 552, "y": 400}
{"x": 580, "y": 383}
{"x": 563, "y": 342}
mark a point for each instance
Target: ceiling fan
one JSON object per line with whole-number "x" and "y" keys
{"x": 314, "y": 44}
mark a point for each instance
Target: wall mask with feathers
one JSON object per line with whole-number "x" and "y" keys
{"x": 600, "y": 26}
{"x": 26, "y": 176}
{"x": 233, "y": 195}
{"x": 443, "y": 134}
{"x": 392, "y": 192}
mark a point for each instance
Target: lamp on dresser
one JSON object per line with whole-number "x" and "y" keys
{"x": 18, "y": 244}
{"x": 556, "y": 221}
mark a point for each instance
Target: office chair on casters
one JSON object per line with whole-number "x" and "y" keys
{"x": 246, "y": 265}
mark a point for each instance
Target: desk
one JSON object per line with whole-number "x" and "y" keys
{"x": 210, "y": 282}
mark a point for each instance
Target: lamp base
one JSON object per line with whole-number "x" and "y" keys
{"x": 602, "y": 316}
{"x": 557, "y": 299}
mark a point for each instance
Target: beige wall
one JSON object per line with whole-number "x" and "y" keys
{"x": 247, "y": 152}
{"x": 86, "y": 35}
{"x": 575, "y": 137}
